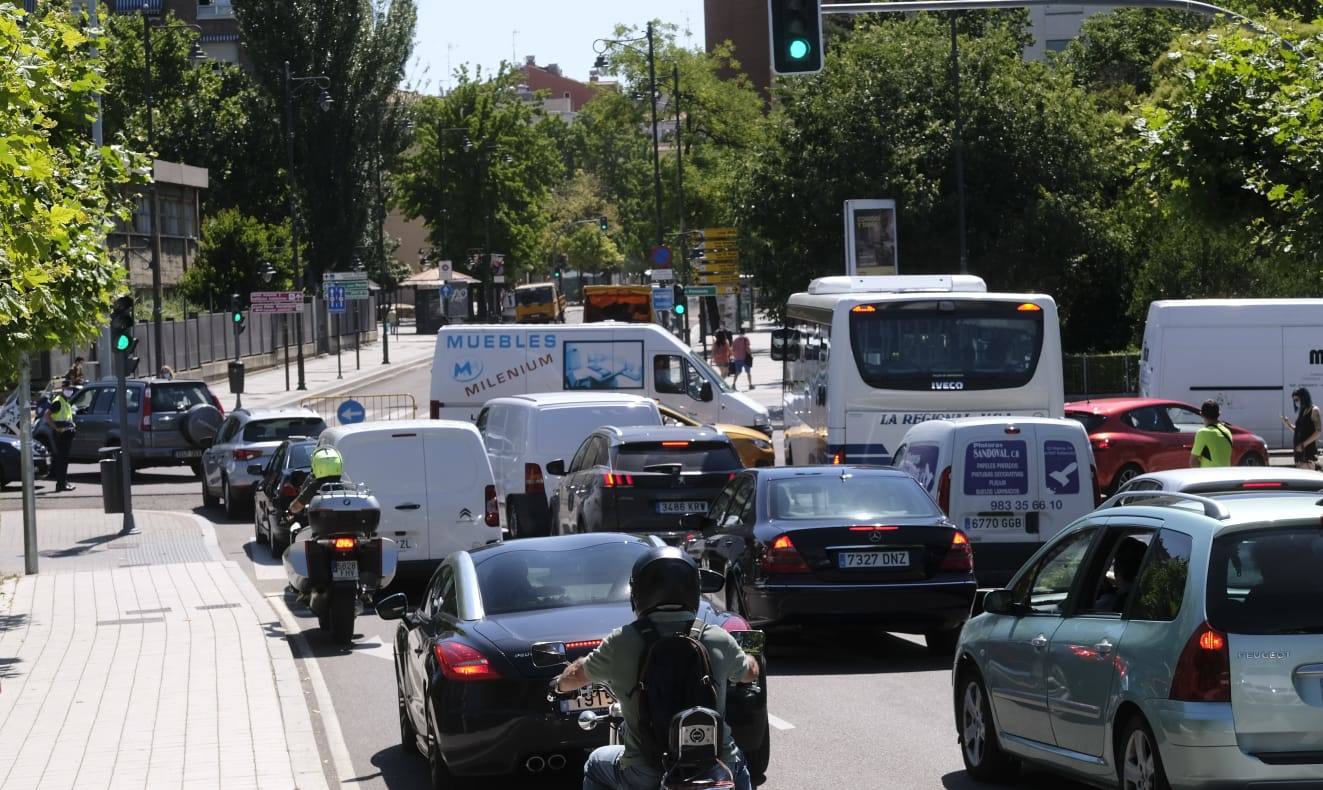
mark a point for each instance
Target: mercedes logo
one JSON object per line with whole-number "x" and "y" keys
{"x": 875, "y": 536}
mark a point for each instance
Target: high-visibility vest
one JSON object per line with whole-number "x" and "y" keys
{"x": 61, "y": 411}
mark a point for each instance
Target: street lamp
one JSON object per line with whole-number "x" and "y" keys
{"x": 324, "y": 103}
{"x": 600, "y": 46}
{"x": 154, "y": 211}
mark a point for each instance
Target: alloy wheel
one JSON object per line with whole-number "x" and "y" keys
{"x": 973, "y": 728}
{"x": 1140, "y": 767}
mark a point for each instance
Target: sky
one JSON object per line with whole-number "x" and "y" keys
{"x": 485, "y": 32}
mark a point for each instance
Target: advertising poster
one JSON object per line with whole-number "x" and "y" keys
{"x": 996, "y": 468}
{"x": 1061, "y": 467}
{"x": 604, "y": 365}
{"x": 920, "y": 462}
{"x": 870, "y": 238}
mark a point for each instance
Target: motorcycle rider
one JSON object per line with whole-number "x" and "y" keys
{"x": 328, "y": 466}
{"x": 664, "y": 589}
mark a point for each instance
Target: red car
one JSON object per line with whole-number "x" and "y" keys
{"x": 1131, "y": 436}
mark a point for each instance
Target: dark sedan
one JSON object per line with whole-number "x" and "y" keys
{"x": 11, "y": 465}
{"x": 282, "y": 477}
{"x": 496, "y": 624}
{"x": 642, "y": 479}
{"x": 839, "y": 545}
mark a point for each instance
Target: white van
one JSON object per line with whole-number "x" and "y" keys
{"x": 475, "y": 363}
{"x": 1009, "y": 483}
{"x": 524, "y": 432}
{"x": 1246, "y": 354}
{"x": 433, "y": 480}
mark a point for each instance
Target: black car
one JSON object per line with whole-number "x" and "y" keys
{"x": 839, "y": 545}
{"x": 496, "y": 624}
{"x": 11, "y": 465}
{"x": 282, "y": 477}
{"x": 643, "y": 479}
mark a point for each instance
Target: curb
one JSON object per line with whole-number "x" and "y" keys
{"x": 372, "y": 378}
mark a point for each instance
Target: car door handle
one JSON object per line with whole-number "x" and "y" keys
{"x": 1039, "y": 642}
{"x": 408, "y": 506}
{"x": 1104, "y": 648}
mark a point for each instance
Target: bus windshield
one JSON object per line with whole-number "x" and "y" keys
{"x": 539, "y": 294}
{"x": 947, "y": 344}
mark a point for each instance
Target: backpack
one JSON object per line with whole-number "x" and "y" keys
{"x": 675, "y": 674}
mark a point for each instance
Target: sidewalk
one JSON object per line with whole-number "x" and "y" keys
{"x": 144, "y": 660}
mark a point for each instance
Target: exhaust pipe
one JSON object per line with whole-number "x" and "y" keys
{"x": 535, "y": 764}
{"x": 556, "y": 762}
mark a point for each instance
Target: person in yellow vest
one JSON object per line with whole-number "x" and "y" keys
{"x": 1212, "y": 443}
{"x": 60, "y": 417}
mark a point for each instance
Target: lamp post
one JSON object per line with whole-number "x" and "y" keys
{"x": 324, "y": 102}
{"x": 154, "y": 210}
{"x": 600, "y": 46}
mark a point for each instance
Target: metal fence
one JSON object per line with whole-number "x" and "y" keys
{"x": 376, "y": 408}
{"x": 1096, "y": 375}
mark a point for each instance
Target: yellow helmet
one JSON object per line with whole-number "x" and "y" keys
{"x": 326, "y": 462}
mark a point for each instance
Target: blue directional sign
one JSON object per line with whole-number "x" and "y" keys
{"x": 335, "y": 298}
{"x": 663, "y": 299}
{"x": 446, "y": 291}
{"x": 350, "y": 412}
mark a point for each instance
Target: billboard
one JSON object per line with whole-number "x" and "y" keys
{"x": 870, "y": 238}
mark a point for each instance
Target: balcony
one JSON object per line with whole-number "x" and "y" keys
{"x": 215, "y": 9}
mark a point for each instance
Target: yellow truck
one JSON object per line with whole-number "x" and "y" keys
{"x": 632, "y": 303}
{"x": 539, "y": 303}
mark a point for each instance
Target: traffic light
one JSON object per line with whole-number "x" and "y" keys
{"x": 121, "y": 334}
{"x": 680, "y": 304}
{"x": 603, "y": 224}
{"x": 559, "y": 275}
{"x": 796, "y": 30}
{"x": 236, "y": 314}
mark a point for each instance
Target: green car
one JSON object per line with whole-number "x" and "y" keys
{"x": 1166, "y": 640}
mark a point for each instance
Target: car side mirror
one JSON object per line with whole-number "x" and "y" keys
{"x": 256, "y": 469}
{"x": 998, "y": 602}
{"x": 785, "y": 345}
{"x": 709, "y": 581}
{"x": 556, "y": 467}
{"x": 695, "y": 522}
{"x": 705, "y": 392}
{"x": 393, "y": 607}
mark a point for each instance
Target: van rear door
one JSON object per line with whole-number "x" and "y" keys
{"x": 1064, "y": 478}
{"x": 390, "y": 463}
{"x": 458, "y": 475}
{"x": 994, "y": 490}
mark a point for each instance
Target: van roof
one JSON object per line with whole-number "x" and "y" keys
{"x": 1215, "y": 312}
{"x": 979, "y": 422}
{"x": 332, "y": 435}
{"x": 654, "y": 433}
{"x": 573, "y": 398}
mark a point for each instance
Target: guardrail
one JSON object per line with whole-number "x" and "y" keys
{"x": 348, "y": 408}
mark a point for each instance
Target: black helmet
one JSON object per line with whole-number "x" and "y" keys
{"x": 665, "y": 578}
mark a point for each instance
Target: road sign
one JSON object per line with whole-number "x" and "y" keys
{"x": 718, "y": 268}
{"x": 446, "y": 291}
{"x": 660, "y": 256}
{"x": 720, "y": 255}
{"x": 340, "y": 278}
{"x": 700, "y": 290}
{"x": 498, "y": 268}
{"x": 712, "y": 234}
{"x": 350, "y": 412}
{"x": 335, "y": 298}
{"x": 663, "y": 275}
{"x": 663, "y": 299}
{"x": 275, "y": 301}
{"x": 718, "y": 280}
{"x": 446, "y": 270}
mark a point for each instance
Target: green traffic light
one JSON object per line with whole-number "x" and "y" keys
{"x": 679, "y": 309}
{"x": 238, "y": 317}
{"x": 798, "y": 48}
{"x": 122, "y": 343}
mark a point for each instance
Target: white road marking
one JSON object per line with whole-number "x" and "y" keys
{"x": 268, "y": 572}
{"x": 376, "y": 649}
{"x": 779, "y": 723}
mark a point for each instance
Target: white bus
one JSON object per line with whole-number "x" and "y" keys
{"x": 868, "y": 357}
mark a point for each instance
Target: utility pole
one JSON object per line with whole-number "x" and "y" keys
{"x": 656, "y": 153}
{"x": 158, "y": 338}
{"x": 25, "y": 458}
{"x": 957, "y": 143}
{"x": 679, "y": 192}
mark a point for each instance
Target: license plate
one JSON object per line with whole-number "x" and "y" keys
{"x": 404, "y": 544}
{"x": 188, "y": 453}
{"x": 594, "y": 698}
{"x": 344, "y": 571}
{"x": 873, "y": 559}
{"x": 681, "y": 507}
{"x": 975, "y": 523}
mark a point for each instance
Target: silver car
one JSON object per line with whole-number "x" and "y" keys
{"x": 1173, "y": 641}
{"x": 1227, "y": 479}
{"x": 245, "y": 439}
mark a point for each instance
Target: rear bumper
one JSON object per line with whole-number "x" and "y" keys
{"x": 480, "y": 736}
{"x": 172, "y": 456}
{"x": 1197, "y": 741}
{"x": 915, "y": 607}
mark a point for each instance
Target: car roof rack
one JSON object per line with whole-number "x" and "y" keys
{"x": 1212, "y": 508}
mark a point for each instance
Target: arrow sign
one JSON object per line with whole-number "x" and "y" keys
{"x": 712, "y": 234}
{"x": 721, "y": 257}
{"x": 350, "y": 412}
{"x": 700, "y": 290}
{"x": 344, "y": 277}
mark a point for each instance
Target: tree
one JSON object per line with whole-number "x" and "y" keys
{"x": 361, "y": 47}
{"x": 1115, "y": 52}
{"x": 60, "y": 191}
{"x": 234, "y": 247}
{"x": 573, "y": 228}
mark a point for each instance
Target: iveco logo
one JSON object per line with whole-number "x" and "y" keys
{"x": 1271, "y": 655}
{"x": 948, "y": 385}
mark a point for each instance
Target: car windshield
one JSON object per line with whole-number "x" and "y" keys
{"x": 178, "y": 396}
{"x": 530, "y": 296}
{"x": 282, "y": 428}
{"x": 1089, "y": 420}
{"x": 849, "y": 497}
{"x": 521, "y": 581}
{"x": 692, "y": 456}
{"x": 1267, "y": 582}
{"x": 566, "y": 427}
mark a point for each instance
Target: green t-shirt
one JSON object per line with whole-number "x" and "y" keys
{"x": 615, "y": 664}
{"x": 1212, "y": 443}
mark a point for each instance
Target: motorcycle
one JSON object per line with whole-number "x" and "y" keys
{"x": 337, "y": 560}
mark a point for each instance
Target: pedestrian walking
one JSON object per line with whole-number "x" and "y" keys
{"x": 741, "y": 359}
{"x": 1212, "y": 443}
{"x": 721, "y": 351}
{"x": 392, "y": 321}
{"x": 60, "y": 418}
{"x": 1305, "y": 430}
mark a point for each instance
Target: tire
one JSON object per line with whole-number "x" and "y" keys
{"x": 208, "y": 500}
{"x": 979, "y": 748}
{"x": 277, "y": 545}
{"x": 232, "y": 508}
{"x": 341, "y": 616}
{"x": 408, "y": 733}
{"x": 258, "y": 537}
{"x": 1251, "y": 459}
{"x": 1124, "y": 475}
{"x": 942, "y": 643}
{"x": 196, "y": 466}
{"x": 438, "y": 774}
{"x": 1138, "y": 761}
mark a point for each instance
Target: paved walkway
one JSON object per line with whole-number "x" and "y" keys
{"x": 144, "y": 661}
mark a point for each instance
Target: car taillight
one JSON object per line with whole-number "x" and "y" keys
{"x": 583, "y": 644}
{"x": 458, "y": 661}
{"x": 288, "y": 489}
{"x": 492, "y": 511}
{"x": 533, "y": 482}
{"x": 1203, "y": 672}
{"x": 215, "y": 401}
{"x": 145, "y": 422}
{"x": 617, "y": 480}
{"x": 959, "y": 555}
{"x": 344, "y": 544}
{"x": 838, "y": 457}
{"x": 735, "y": 623}
{"x": 944, "y": 491}
{"x": 1263, "y": 484}
{"x": 782, "y": 557}
{"x": 435, "y": 410}
{"x": 247, "y": 455}
{"x": 1100, "y": 443}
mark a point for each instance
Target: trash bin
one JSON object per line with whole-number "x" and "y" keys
{"x": 112, "y": 486}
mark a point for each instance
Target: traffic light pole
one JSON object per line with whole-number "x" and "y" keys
{"x": 656, "y": 152}
{"x": 125, "y": 462}
{"x": 25, "y": 458}
{"x": 238, "y": 330}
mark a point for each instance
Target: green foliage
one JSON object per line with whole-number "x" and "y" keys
{"x": 1115, "y": 52}
{"x": 59, "y": 190}
{"x": 573, "y": 229}
{"x": 231, "y": 255}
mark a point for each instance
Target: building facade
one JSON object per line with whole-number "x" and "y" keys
{"x": 179, "y": 190}
{"x": 220, "y": 29}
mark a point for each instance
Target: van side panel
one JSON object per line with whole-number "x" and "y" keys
{"x": 391, "y": 463}
{"x": 1240, "y": 367}
{"x": 474, "y": 364}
